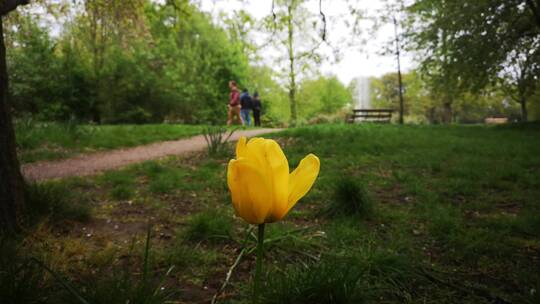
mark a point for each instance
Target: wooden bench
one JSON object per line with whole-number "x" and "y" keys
{"x": 370, "y": 115}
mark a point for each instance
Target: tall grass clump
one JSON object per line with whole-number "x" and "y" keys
{"x": 211, "y": 225}
{"x": 122, "y": 183}
{"x": 216, "y": 138}
{"x": 350, "y": 198}
{"x": 55, "y": 202}
{"x": 21, "y": 281}
{"x": 119, "y": 284}
{"x": 326, "y": 282}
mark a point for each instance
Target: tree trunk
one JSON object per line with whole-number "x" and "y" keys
{"x": 292, "y": 72}
{"x": 398, "y": 57}
{"x": 11, "y": 180}
{"x": 447, "y": 112}
{"x": 524, "y": 114}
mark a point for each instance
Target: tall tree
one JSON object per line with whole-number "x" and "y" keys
{"x": 398, "y": 59}
{"x": 107, "y": 24}
{"x": 297, "y": 33}
{"x": 11, "y": 180}
{"x": 471, "y": 45}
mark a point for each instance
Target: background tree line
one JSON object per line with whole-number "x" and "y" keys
{"x": 141, "y": 62}
{"x": 423, "y": 105}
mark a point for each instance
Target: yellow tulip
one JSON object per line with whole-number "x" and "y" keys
{"x": 262, "y": 189}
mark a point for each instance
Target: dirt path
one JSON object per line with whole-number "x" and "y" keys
{"x": 94, "y": 163}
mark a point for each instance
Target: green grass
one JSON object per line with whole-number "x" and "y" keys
{"x": 462, "y": 201}
{"x": 211, "y": 225}
{"x": 351, "y": 198}
{"x": 399, "y": 214}
{"x": 56, "y": 203}
{"x": 47, "y": 141}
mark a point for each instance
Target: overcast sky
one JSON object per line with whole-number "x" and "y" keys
{"x": 353, "y": 63}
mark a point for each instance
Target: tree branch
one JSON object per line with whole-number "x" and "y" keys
{"x": 7, "y": 6}
{"x": 323, "y": 17}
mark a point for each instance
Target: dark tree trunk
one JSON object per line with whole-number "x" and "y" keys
{"x": 398, "y": 57}
{"x": 524, "y": 114}
{"x": 447, "y": 112}
{"x": 11, "y": 180}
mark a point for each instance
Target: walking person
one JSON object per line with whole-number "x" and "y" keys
{"x": 256, "y": 109}
{"x": 234, "y": 104}
{"x": 246, "y": 106}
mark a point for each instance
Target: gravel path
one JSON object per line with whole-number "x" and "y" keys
{"x": 96, "y": 162}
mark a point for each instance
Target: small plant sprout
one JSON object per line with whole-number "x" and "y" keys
{"x": 262, "y": 189}
{"x": 216, "y": 137}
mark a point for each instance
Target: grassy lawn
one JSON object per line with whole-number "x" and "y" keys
{"x": 48, "y": 141}
{"x": 416, "y": 214}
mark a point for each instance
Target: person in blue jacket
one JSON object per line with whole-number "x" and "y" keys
{"x": 246, "y": 106}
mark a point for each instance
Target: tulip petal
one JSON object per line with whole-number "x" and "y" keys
{"x": 239, "y": 195}
{"x": 256, "y": 197}
{"x": 241, "y": 149}
{"x": 279, "y": 179}
{"x": 256, "y": 152}
{"x": 302, "y": 178}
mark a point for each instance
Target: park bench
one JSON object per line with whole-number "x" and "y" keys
{"x": 370, "y": 115}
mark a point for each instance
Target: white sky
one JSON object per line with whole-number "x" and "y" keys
{"x": 353, "y": 63}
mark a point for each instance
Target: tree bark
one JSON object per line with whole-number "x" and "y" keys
{"x": 11, "y": 180}
{"x": 524, "y": 114}
{"x": 398, "y": 57}
{"x": 447, "y": 111}
{"x": 7, "y": 6}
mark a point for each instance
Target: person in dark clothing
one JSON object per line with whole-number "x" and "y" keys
{"x": 256, "y": 102}
{"x": 246, "y": 106}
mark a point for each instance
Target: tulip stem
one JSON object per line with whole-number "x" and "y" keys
{"x": 258, "y": 267}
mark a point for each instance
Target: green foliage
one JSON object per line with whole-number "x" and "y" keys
{"x": 274, "y": 99}
{"x": 461, "y": 52}
{"x": 35, "y": 74}
{"x": 324, "y": 95}
{"x": 174, "y": 64}
{"x": 422, "y": 105}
